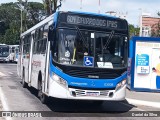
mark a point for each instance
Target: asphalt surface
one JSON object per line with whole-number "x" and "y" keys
{"x": 15, "y": 98}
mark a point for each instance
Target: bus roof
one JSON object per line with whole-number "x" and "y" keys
{"x": 13, "y": 45}
{"x": 53, "y": 18}
{"x": 2, "y": 44}
{"x": 96, "y": 14}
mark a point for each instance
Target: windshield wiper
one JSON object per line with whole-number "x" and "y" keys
{"x": 109, "y": 39}
{"x": 83, "y": 39}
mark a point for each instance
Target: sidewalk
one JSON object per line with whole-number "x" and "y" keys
{"x": 1, "y": 109}
{"x": 143, "y": 98}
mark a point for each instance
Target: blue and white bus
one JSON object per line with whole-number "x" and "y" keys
{"x": 4, "y": 53}
{"x": 75, "y": 55}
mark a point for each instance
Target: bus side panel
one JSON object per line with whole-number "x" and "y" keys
{"x": 25, "y": 67}
{"x": 38, "y": 69}
{"x": 30, "y": 61}
{"x": 19, "y": 63}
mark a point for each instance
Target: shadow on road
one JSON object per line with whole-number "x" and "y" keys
{"x": 64, "y": 107}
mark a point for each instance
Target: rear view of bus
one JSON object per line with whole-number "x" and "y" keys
{"x": 73, "y": 55}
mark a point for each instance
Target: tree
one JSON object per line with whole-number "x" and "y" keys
{"x": 156, "y": 28}
{"x": 11, "y": 16}
{"x": 133, "y": 31}
{"x": 32, "y": 13}
{"x": 51, "y": 6}
{"x": 2, "y": 28}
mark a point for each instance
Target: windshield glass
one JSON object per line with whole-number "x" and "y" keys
{"x": 4, "y": 51}
{"x": 91, "y": 49}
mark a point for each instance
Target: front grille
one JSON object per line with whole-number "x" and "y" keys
{"x": 81, "y": 93}
{"x": 97, "y": 74}
{"x": 89, "y": 72}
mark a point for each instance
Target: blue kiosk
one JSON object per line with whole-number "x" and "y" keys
{"x": 144, "y": 64}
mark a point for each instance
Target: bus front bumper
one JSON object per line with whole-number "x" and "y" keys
{"x": 58, "y": 91}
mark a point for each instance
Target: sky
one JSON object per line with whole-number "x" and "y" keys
{"x": 132, "y": 9}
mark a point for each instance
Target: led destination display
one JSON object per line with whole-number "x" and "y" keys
{"x": 93, "y": 21}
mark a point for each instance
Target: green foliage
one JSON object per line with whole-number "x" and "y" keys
{"x": 2, "y": 28}
{"x": 156, "y": 28}
{"x": 51, "y": 5}
{"x": 32, "y": 14}
{"x": 11, "y": 17}
{"x": 133, "y": 31}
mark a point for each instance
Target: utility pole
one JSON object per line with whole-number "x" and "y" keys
{"x": 99, "y": 6}
{"x": 81, "y": 5}
{"x": 140, "y": 22}
{"x": 21, "y": 20}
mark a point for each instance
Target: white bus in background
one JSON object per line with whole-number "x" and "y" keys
{"x": 13, "y": 53}
{"x": 4, "y": 53}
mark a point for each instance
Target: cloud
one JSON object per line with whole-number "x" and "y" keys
{"x": 131, "y": 7}
{"x": 124, "y": 7}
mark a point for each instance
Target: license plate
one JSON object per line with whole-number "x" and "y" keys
{"x": 92, "y": 94}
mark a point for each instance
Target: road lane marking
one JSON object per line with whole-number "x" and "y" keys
{"x": 4, "y": 103}
{"x": 145, "y": 103}
{"x": 10, "y": 73}
{"x": 2, "y": 74}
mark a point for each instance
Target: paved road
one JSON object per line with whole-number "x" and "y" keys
{"x": 16, "y": 98}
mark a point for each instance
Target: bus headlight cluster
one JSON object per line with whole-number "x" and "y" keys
{"x": 59, "y": 80}
{"x": 120, "y": 85}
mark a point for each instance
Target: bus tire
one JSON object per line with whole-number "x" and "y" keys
{"x": 24, "y": 84}
{"x": 43, "y": 98}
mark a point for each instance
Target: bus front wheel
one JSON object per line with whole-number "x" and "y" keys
{"x": 43, "y": 98}
{"x": 24, "y": 84}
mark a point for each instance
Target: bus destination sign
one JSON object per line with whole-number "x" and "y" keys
{"x": 90, "y": 21}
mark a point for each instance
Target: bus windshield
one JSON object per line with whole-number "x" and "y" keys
{"x": 104, "y": 50}
{"x": 4, "y": 51}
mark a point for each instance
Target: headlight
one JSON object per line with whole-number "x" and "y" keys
{"x": 120, "y": 84}
{"x": 59, "y": 80}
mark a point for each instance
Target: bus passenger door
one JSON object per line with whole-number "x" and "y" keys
{"x": 30, "y": 61}
{"x": 47, "y": 61}
{"x": 46, "y": 76}
{"x": 20, "y": 60}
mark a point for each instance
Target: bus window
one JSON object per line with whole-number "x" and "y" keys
{"x": 12, "y": 49}
{"x": 73, "y": 47}
{"x": 43, "y": 48}
{"x": 41, "y": 33}
{"x": 34, "y": 47}
{"x": 37, "y": 34}
{"x": 37, "y": 50}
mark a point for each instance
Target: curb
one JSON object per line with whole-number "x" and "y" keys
{"x": 4, "y": 105}
{"x": 142, "y": 102}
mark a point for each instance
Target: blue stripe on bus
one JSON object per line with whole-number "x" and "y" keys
{"x": 85, "y": 82}
{"x": 55, "y": 19}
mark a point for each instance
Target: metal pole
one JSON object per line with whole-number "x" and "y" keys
{"x": 21, "y": 21}
{"x": 99, "y": 6}
{"x": 140, "y": 22}
{"x": 81, "y": 5}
